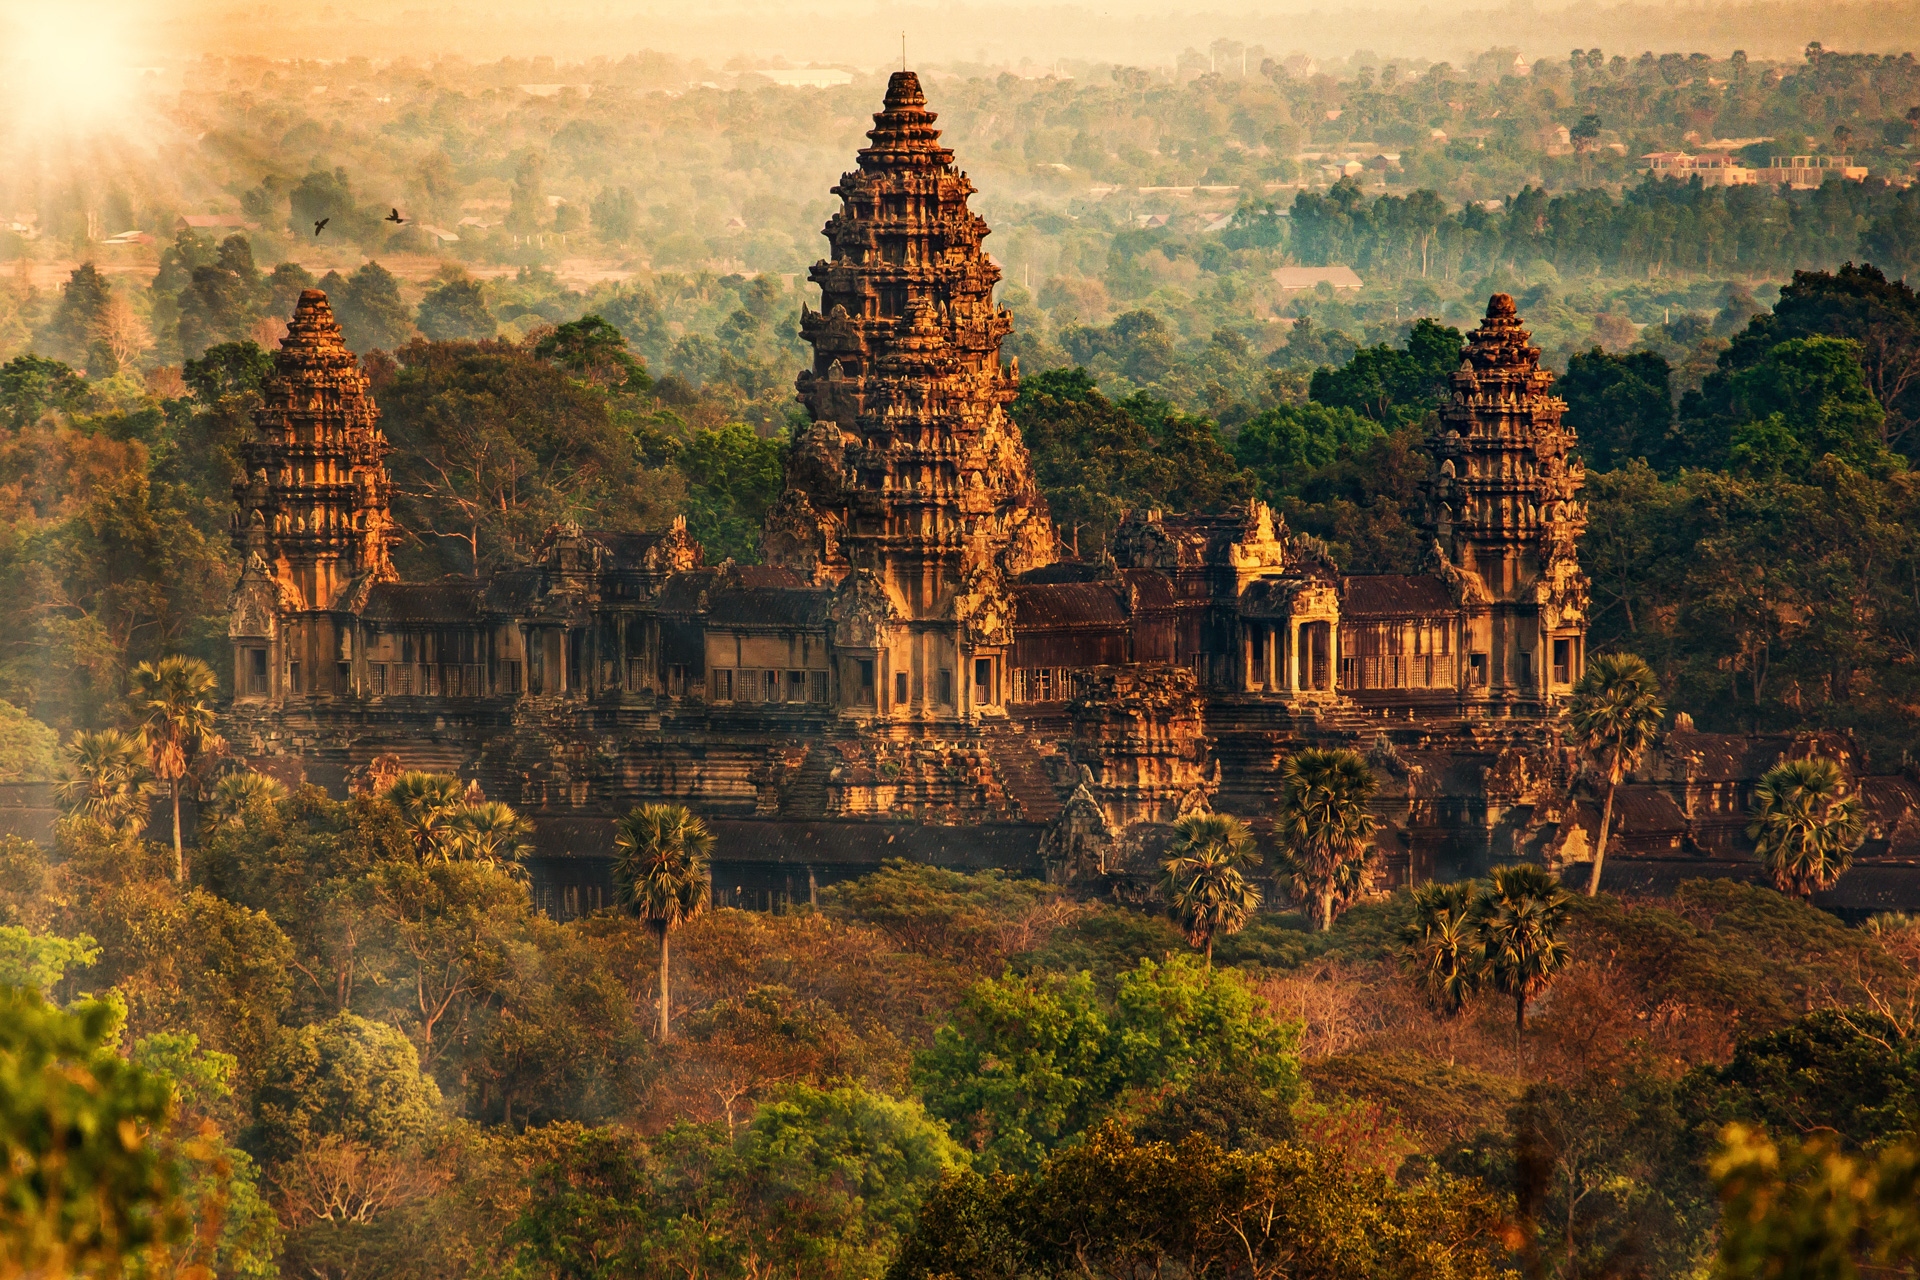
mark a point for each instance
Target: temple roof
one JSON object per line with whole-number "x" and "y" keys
{"x": 903, "y": 135}
{"x": 402, "y": 604}
{"x": 1394, "y": 595}
{"x": 1042, "y": 606}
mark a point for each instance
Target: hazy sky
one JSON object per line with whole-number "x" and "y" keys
{"x": 859, "y": 32}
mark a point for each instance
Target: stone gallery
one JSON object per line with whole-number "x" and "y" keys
{"x": 920, "y": 668}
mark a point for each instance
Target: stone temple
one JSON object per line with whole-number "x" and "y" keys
{"x": 920, "y": 669}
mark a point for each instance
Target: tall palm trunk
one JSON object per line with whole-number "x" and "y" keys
{"x": 1325, "y": 921}
{"x": 663, "y": 986}
{"x": 179, "y": 853}
{"x": 1600, "y": 844}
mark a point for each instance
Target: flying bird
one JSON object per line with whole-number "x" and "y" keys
{"x": 394, "y": 217}
{"x": 321, "y": 225}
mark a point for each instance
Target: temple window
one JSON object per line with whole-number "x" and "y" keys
{"x": 1562, "y": 653}
{"x": 900, "y": 688}
{"x": 256, "y": 664}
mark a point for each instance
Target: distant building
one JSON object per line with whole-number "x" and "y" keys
{"x": 1713, "y": 168}
{"x": 1294, "y": 279}
{"x": 129, "y": 237}
{"x": 215, "y": 222}
{"x": 809, "y": 78}
{"x": 1806, "y": 172}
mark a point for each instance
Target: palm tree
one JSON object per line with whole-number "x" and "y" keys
{"x": 236, "y": 793}
{"x": 169, "y": 699}
{"x": 1519, "y": 918}
{"x": 1614, "y": 713}
{"x": 1325, "y": 830}
{"x": 662, "y": 874}
{"x": 106, "y": 778}
{"x": 426, "y": 801}
{"x": 490, "y": 831}
{"x": 1442, "y": 946}
{"x": 1805, "y": 826}
{"x": 1204, "y": 880}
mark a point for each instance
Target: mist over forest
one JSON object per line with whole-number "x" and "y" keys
{"x": 336, "y": 1036}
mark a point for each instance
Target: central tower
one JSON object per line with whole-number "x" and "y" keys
{"x": 1505, "y": 516}
{"x": 911, "y": 492}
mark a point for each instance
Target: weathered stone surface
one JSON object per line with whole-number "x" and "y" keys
{"x": 919, "y": 657}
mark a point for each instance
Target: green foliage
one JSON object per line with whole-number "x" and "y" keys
{"x": 1520, "y": 916}
{"x": 85, "y": 1181}
{"x": 344, "y": 1078}
{"x": 822, "y": 1182}
{"x": 841, "y": 1174}
{"x": 28, "y": 749}
{"x": 1326, "y": 833}
{"x": 1808, "y": 1209}
{"x": 1620, "y": 406}
{"x": 1029, "y": 1063}
{"x": 1805, "y": 825}
{"x": 1227, "y": 1109}
{"x": 494, "y": 445}
{"x": 32, "y": 385}
{"x": 1845, "y": 1074}
{"x": 733, "y": 476}
{"x": 1808, "y": 398}
{"x": 1392, "y": 387}
{"x": 1114, "y": 1207}
{"x": 370, "y": 309}
{"x": 1284, "y": 445}
{"x": 1612, "y": 718}
{"x": 457, "y": 312}
{"x": 37, "y": 961}
{"x": 1095, "y": 458}
{"x": 1025, "y": 1064}
{"x": 1203, "y": 878}
{"x": 977, "y": 919}
{"x": 1442, "y": 944}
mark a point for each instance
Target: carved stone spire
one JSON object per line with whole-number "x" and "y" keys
{"x": 1504, "y": 510}
{"x": 313, "y": 505}
{"x": 912, "y": 470}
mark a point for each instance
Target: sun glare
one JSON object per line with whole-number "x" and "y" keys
{"x": 66, "y": 68}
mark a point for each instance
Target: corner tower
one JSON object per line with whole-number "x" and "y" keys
{"x": 911, "y": 493}
{"x": 1505, "y": 516}
{"x": 311, "y": 514}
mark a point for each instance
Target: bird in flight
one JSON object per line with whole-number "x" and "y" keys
{"x": 321, "y": 225}
{"x": 394, "y": 217}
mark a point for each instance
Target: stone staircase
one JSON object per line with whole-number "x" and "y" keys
{"x": 805, "y": 794}
{"x": 1023, "y": 771}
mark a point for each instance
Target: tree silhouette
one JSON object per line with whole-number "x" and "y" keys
{"x": 1442, "y": 946}
{"x": 1325, "y": 830}
{"x": 1805, "y": 826}
{"x": 1204, "y": 880}
{"x": 1613, "y": 716}
{"x": 662, "y": 875}
{"x": 176, "y": 721}
{"x": 107, "y": 779}
{"x": 1519, "y": 919}
{"x": 426, "y": 802}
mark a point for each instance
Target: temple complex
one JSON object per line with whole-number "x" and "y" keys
{"x": 920, "y": 668}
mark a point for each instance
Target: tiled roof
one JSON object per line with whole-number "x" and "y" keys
{"x": 774, "y": 607}
{"x": 419, "y": 603}
{"x": 1044, "y": 606}
{"x": 1394, "y": 595}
